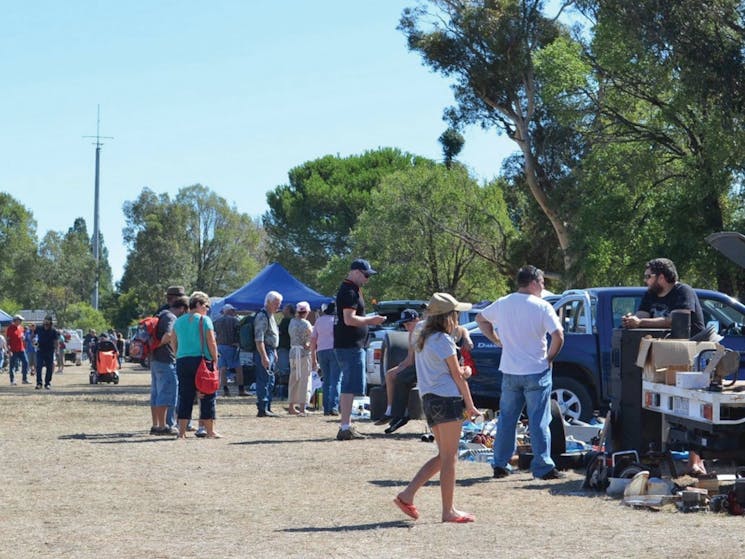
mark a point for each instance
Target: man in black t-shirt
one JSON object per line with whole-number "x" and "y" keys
{"x": 665, "y": 294}
{"x": 350, "y": 335}
{"x": 48, "y": 339}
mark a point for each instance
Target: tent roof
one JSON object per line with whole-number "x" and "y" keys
{"x": 274, "y": 277}
{"x": 5, "y": 318}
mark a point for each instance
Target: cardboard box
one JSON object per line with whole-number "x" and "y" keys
{"x": 671, "y": 373}
{"x": 692, "y": 380}
{"x": 657, "y": 354}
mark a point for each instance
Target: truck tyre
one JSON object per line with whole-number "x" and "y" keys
{"x": 573, "y": 398}
{"x": 395, "y": 349}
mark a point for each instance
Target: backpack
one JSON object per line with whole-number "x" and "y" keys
{"x": 147, "y": 333}
{"x": 246, "y": 333}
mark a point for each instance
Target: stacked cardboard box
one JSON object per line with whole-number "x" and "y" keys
{"x": 662, "y": 359}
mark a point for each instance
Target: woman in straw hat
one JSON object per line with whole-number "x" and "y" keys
{"x": 445, "y": 398}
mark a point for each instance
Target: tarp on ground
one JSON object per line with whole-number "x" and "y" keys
{"x": 273, "y": 277}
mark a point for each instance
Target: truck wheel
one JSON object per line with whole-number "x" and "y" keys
{"x": 573, "y": 398}
{"x": 395, "y": 349}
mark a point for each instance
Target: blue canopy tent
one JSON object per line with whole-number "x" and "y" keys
{"x": 5, "y": 318}
{"x": 273, "y": 277}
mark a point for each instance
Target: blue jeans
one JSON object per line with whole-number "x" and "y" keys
{"x": 15, "y": 358}
{"x": 535, "y": 392}
{"x": 45, "y": 359}
{"x": 264, "y": 381}
{"x": 331, "y": 379}
{"x": 352, "y": 364}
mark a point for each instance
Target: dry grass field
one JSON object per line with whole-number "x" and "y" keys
{"x": 81, "y": 477}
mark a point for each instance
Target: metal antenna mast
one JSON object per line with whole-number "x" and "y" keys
{"x": 96, "y": 235}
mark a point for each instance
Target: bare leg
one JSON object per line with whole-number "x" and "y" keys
{"x": 447, "y": 436}
{"x": 429, "y": 469}
{"x": 209, "y": 426}
{"x": 182, "y": 428}
{"x": 160, "y": 416}
{"x": 390, "y": 378}
{"x": 345, "y": 408}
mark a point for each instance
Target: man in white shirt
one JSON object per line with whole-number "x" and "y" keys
{"x": 519, "y": 323}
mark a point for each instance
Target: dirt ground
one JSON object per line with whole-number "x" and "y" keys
{"x": 81, "y": 477}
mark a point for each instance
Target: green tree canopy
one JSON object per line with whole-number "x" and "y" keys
{"x": 310, "y": 219}
{"x": 196, "y": 240}
{"x": 488, "y": 47}
{"x": 18, "y": 265}
{"x": 432, "y": 229}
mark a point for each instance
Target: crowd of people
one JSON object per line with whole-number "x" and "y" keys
{"x": 334, "y": 343}
{"x": 33, "y": 351}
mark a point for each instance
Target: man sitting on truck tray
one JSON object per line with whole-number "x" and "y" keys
{"x": 665, "y": 294}
{"x": 409, "y": 320}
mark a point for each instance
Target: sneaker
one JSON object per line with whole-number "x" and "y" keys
{"x": 26, "y": 381}
{"x": 201, "y": 433}
{"x": 383, "y": 420}
{"x": 38, "y": 387}
{"x": 191, "y": 428}
{"x": 553, "y": 474}
{"x": 13, "y": 383}
{"x": 154, "y": 430}
{"x": 396, "y": 424}
{"x": 48, "y": 386}
{"x": 500, "y": 473}
{"x": 349, "y": 434}
{"x": 171, "y": 431}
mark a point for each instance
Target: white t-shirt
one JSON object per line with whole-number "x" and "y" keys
{"x": 432, "y": 373}
{"x": 522, "y": 322}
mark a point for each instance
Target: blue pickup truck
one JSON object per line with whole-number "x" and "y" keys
{"x": 583, "y": 367}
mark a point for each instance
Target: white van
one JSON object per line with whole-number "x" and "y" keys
{"x": 73, "y": 345}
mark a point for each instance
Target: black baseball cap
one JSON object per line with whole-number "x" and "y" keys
{"x": 363, "y": 266}
{"x": 407, "y": 315}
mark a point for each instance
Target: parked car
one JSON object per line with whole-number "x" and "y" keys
{"x": 582, "y": 370}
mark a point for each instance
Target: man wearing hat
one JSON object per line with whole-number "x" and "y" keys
{"x": 14, "y": 335}
{"x": 227, "y": 328}
{"x": 163, "y": 378}
{"x": 409, "y": 320}
{"x": 350, "y": 335}
{"x": 526, "y": 369}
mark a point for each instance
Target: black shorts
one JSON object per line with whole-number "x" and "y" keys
{"x": 442, "y": 409}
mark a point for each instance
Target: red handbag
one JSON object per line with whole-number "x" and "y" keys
{"x": 207, "y": 379}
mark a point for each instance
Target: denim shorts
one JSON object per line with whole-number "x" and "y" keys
{"x": 442, "y": 409}
{"x": 352, "y": 366}
{"x": 165, "y": 384}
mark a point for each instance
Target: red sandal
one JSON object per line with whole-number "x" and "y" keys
{"x": 407, "y": 508}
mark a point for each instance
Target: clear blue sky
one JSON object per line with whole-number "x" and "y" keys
{"x": 230, "y": 94}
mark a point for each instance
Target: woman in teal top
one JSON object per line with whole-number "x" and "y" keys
{"x": 189, "y": 349}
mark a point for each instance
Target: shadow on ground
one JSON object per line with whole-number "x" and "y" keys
{"x": 349, "y": 527}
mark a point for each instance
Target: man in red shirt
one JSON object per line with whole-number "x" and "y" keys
{"x": 14, "y": 334}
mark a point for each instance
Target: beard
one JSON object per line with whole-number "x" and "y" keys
{"x": 655, "y": 288}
